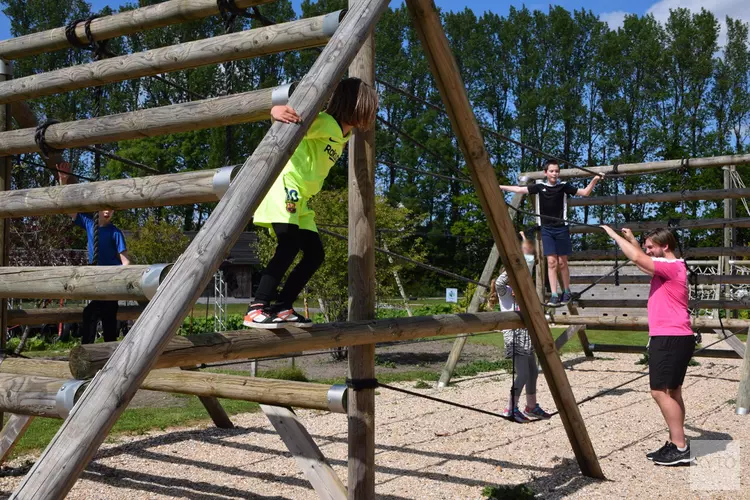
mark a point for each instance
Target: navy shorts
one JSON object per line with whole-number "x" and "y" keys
{"x": 556, "y": 240}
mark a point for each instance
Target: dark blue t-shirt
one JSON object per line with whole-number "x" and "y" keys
{"x": 111, "y": 241}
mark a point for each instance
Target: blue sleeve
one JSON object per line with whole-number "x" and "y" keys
{"x": 84, "y": 221}
{"x": 119, "y": 241}
{"x": 570, "y": 189}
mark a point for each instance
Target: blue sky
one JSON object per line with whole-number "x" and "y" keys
{"x": 611, "y": 11}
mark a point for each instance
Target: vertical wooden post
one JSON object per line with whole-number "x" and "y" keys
{"x": 474, "y": 305}
{"x": 361, "y": 419}
{"x": 6, "y": 73}
{"x": 453, "y": 92}
{"x": 743, "y": 393}
{"x": 729, "y": 232}
{"x": 62, "y": 462}
{"x": 213, "y": 407}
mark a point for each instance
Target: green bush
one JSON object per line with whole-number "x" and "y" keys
{"x": 286, "y": 373}
{"x": 517, "y": 492}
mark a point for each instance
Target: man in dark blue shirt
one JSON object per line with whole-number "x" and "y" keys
{"x": 111, "y": 251}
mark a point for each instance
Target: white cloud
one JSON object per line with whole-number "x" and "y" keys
{"x": 736, "y": 9}
{"x": 614, "y": 19}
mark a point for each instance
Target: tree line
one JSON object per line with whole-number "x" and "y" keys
{"x": 560, "y": 81}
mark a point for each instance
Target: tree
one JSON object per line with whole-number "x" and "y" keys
{"x": 157, "y": 242}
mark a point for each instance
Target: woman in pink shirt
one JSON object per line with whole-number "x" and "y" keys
{"x": 671, "y": 338}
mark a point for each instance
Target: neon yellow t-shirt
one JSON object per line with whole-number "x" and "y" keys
{"x": 303, "y": 175}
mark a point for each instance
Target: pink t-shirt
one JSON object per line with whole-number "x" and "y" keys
{"x": 668, "y": 299}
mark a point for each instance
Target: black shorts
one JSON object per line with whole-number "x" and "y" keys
{"x": 668, "y": 358}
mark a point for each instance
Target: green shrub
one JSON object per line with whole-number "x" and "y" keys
{"x": 517, "y": 492}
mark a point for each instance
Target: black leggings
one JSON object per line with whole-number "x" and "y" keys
{"x": 292, "y": 239}
{"x": 106, "y": 310}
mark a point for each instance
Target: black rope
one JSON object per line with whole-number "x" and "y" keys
{"x": 20, "y": 162}
{"x": 41, "y": 141}
{"x": 446, "y": 402}
{"x": 412, "y": 261}
{"x": 424, "y": 172}
{"x": 70, "y": 34}
{"x": 361, "y": 384}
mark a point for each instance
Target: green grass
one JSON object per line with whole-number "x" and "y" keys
{"x": 134, "y": 421}
{"x": 517, "y": 492}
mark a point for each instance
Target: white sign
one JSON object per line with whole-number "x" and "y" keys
{"x": 451, "y": 295}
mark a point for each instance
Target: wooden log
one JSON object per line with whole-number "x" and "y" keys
{"x": 643, "y": 279}
{"x": 301, "y": 34}
{"x": 690, "y": 253}
{"x": 453, "y": 92}
{"x": 195, "y": 115}
{"x": 6, "y": 173}
{"x": 30, "y": 394}
{"x": 213, "y": 407}
{"x": 108, "y": 395}
{"x": 201, "y": 186}
{"x": 637, "y": 349}
{"x": 650, "y": 167}
{"x": 731, "y": 339}
{"x": 361, "y": 266}
{"x": 476, "y": 302}
{"x": 63, "y": 315}
{"x": 743, "y": 391}
{"x": 306, "y": 453}
{"x": 12, "y": 433}
{"x": 568, "y": 334}
{"x": 642, "y": 303}
{"x": 202, "y": 384}
{"x": 641, "y": 322}
{"x": 86, "y": 360}
{"x": 627, "y": 199}
{"x": 124, "y": 23}
{"x": 85, "y": 282}
{"x": 642, "y": 226}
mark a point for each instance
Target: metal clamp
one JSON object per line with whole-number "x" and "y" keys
{"x": 280, "y": 95}
{"x": 6, "y": 67}
{"x": 67, "y": 396}
{"x": 222, "y": 178}
{"x": 152, "y": 278}
{"x": 337, "y": 399}
{"x": 332, "y": 21}
{"x": 741, "y": 411}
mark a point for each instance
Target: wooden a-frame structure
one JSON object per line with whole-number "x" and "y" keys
{"x": 108, "y": 394}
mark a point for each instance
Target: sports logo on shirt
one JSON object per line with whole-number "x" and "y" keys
{"x": 292, "y": 197}
{"x": 332, "y": 154}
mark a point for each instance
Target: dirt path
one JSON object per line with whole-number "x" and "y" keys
{"x": 426, "y": 450}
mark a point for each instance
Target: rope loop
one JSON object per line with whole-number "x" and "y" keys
{"x": 41, "y": 141}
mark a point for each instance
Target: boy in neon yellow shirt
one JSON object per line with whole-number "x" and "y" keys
{"x": 285, "y": 207}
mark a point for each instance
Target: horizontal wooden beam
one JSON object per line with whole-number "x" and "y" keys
{"x": 642, "y": 279}
{"x": 202, "y": 384}
{"x": 641, "y": 303}
{"x": 138, "y": 192}
{"x": 692, "y": 252}
{"x": 636, "y": 349}
{"x": 85, "y": 282}
{"x": 86, "y": 360}
{"x": 195, "y": 115}
{"x": 124, "y": 23}
{"x": 641, "y": 226}
{"x": 651, "y": 167}
{"x": 63, "y": 315}
{"x": 640, "y": 322}
{"x": 626, "y": 199}
{"x": 302, "y": 34}
{"x": 32, "y": 395}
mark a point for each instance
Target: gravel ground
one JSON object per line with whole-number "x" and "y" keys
{"x": 427, "y": 450}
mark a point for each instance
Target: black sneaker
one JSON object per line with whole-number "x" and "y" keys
{"x": 565, "y": 298}
{"x": 258, "y": 316}
{"x": 289, "y": 317}
{"x": 652, "y": 454}
{"x": 670, "y": 455}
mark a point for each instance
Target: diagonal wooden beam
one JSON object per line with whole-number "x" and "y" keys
{"x": 453, "y": 92}
{"x": 60, "y": 465}
{"x": 306, "y": 453}
{"x": 12, "y": 432}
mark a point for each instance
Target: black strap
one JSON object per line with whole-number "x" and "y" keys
{"x": 97, "y": 47}
{"x": 361, "y": 384}
{"x": 39, "y": 138}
